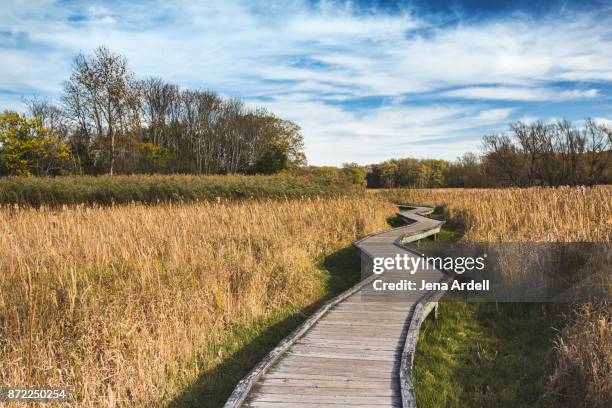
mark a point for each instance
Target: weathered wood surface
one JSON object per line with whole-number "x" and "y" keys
{"x": 357, "y": 349}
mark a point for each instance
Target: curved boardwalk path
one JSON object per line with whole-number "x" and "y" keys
{"x": 354, "y": 351}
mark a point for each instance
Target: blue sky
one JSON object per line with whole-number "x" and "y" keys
{"x": 366, "y": 81}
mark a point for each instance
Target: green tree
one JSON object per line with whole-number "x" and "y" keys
{"x": 355, "y": 173}
{"x": 437, "y": 178}
{"x": 272, "y": 160}
{"x": 155, "y": 158}
{"x": 29, "y": 148}
{"x": 279, "y": 144}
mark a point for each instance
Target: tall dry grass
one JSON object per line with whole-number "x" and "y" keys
{"x": 583, "y": 368}
{"x": 118, "y": 303}
{"x": 158, "y": 188}
{"x": 518, "y": 215}
{"x": 582, "y": 373}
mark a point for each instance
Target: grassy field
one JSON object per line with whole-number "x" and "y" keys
{"x": 246, "y": 344}
{"x": 141, "y": 305}
{"x": 513, "y": 215}
{"x": 107, "y": 190}
{"x": 515, "y": 354}
{"x": 483, "y": 354}
{"x": 154, "y": 305}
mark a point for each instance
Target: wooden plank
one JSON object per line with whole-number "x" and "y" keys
{"x": 335, "y": 372}
{"x": 368, "y": 335}
{"x": 307, "y": 362}
{"x": 361, "y": 339}
{"x": 353, "y": 345}
{"x": 301, "y": 361}
{"x": 348, "y": 344}
{"x": 266, "y": 404}
{"x": 363, "y": 344}
{"x": 355, "y": 301}
{"x": 326, "y": 383}
{"x": 388, "y": 376}
{"x": 343, "y": 400}
{"x": 371, "y": 308}
{"x": 367, "y": 312}
{"x": 372, "y": 338}
{"x": 338, "y": 391}
{"x": 332, "y": 369}
{"x": 347, "y": 348}
{"x": 367, "y": 321}
{"x": 356, "y": 330}
{"x": 341, "y": 352}
{"x": 368, "y": 309}
{"x": 358, "y": 324}
{"x": 341, "y": 356}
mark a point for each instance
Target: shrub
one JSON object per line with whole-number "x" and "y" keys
{"x": 108, "y": 190}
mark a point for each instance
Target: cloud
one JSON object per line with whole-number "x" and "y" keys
{"x": 520, "y": 93}
{"x": 313, "y": 62}
{"x": 339, "y": 136}
{"x": 579, "y": 94}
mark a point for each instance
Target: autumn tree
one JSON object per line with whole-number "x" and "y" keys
{"x": 102, "y": 99}
{"x": 29, "y": 148}
{"x": 549, "y": 154}
{"x": 278, "y": 146}
{"x": 466, "y": 171}
{"x": 355, "y": 173}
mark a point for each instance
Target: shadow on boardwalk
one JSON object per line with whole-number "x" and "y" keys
{"x": 214, "y": 386}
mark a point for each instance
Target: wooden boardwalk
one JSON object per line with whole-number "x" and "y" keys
{"x": 351, "y": 352}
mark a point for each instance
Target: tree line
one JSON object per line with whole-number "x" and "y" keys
{"x": 530, "y": 154}
{"x": 110, "y": 122}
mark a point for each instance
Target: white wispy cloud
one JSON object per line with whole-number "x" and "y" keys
{"x": 311, "y": 63}
{"x": 505, "y": 93}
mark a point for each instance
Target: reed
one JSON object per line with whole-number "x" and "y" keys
{"x": 582, "y": 362}
{"x": 154, "y": 189}
{"x": 121, "y": 303}
{"x": 523, "y": 215}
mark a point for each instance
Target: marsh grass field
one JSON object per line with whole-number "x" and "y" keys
{"x": 130, "y": 305}
{"x": 483, "y": 354}
{"x": 182, "y": 186}
{"x": 171, "y": 304}
{"x": 176, "y": 188}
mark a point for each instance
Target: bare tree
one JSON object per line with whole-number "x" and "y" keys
{"x": 503, "y": 160}
{"x": 99, "y": 96}
{"x": 556, "y": 154}
{"x": 160, "y": 100}
{"x": 598, "y": 139}
{"x": 117, "y": 124}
